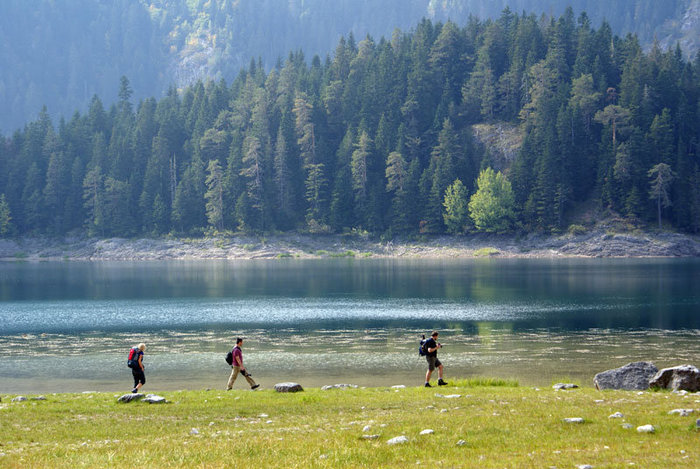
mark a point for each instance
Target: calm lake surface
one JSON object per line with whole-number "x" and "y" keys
{"x": 67, "y": 326}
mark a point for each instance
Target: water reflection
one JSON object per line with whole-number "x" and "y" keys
{"x": 489, "y": 281}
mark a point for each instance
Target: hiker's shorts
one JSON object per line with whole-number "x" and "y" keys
{"x": 433, "y": 363}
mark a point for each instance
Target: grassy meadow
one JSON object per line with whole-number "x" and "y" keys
{"x": 477, "y": 423}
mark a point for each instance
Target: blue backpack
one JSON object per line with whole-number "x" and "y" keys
{"x": 422, "y": 350}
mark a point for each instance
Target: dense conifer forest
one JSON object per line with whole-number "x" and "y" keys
{"x": 379, "y": 137}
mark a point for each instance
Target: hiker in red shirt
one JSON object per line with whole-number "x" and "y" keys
{"x": 238, "y": 367}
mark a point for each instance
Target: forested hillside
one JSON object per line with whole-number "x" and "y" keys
{"x": 61, "y": 53}
{"x": 379, "y": 137}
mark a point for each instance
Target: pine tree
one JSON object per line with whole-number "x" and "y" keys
{"x": 315, "y": 189}
{"x": 284, "y": 181}
{"x": 342, "y": 209}
{"x": 215, "y": 195}
{"x": 442, "y": 170}
{"x": 659, "y": 189}
{"x": 6, "y": 227}
{"x": 398, "y": 182}
{"x": 56, "y": 190}
{"x": 93, "y": 195}
{"x": 116, "y": 216}
{"x": 252, "y": 173}
{"x": 360, "y": 179}
{"x": 617, "y": 117}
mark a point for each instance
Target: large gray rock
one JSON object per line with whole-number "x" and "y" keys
{"x": 132, "y": 396}
{"x": 288, "y": 387}
{"x": 633, "y": 377}
{"x": 678, "y": 378}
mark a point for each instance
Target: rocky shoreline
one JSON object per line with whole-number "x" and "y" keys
{"x": 590, "y": 244}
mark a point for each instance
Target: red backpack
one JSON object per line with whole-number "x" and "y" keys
{"x": 133, "y": 360}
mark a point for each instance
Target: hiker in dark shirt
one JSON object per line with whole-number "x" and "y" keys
{"x": 431, "y": 347}
{"x": 238, "y": 367}
{"x": 138, "y": 371}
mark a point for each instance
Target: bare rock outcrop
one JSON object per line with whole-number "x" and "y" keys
{"x": 678, "y": 378}
{"x": 633, "y": 376}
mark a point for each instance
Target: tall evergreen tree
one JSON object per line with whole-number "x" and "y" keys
{"x": 215, "y": 195}
{"x": 659, "y": 190}
{"x": 5, "y": 217}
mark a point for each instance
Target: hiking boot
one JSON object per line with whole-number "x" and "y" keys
{"x": 442, "y": 383}
{"x": 427, "y": 385}
{"x": 255, "y": 386}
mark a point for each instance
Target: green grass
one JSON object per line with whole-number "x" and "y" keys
{"x": 501, "y": 424}
{"x": 486, "y": 252}
{"x": 343, "y": 254}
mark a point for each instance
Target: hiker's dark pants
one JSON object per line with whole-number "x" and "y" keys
{"x": 139, "y": 376}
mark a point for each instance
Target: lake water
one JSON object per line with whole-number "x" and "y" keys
{"x": 67, "y": 326}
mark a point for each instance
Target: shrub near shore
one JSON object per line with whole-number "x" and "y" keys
{"x": 476, "y": 424}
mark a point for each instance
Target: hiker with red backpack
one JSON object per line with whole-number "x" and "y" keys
{"x": 135, "y": 362}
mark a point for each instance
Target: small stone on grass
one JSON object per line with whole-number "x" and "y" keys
{"x": 397, "y": 440}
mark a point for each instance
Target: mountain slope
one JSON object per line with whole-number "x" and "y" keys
{"x": 61, "y": 53}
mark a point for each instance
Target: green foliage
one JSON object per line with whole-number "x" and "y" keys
{"x": 374, "y": 138}
{"x": 215, "y": 195}
{"x": 486, "y": 252}
{"x": 576, "y": 230}
{"x": 661, "y": 178}
{"x": 456, "y": 203}
{"x": 343, "y": 254}
{"x": 492, "y": 207}
{"x": 5, "y": 217}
